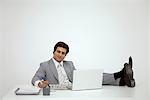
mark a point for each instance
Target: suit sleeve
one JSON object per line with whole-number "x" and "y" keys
{"x": 73, "y": 66}
{"x": 39, "y": 75}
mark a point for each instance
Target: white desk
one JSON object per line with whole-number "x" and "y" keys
{"x": 106, "y": 93}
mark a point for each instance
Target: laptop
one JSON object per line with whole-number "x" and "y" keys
{"x": 87, "y": 79}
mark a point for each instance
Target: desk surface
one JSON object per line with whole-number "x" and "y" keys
{"x": 106, "y": 93}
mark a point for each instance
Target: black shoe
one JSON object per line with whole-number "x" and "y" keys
{"x": 128, "y": 74}
{"x": 122, "y": 82}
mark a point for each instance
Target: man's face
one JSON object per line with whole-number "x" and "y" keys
{"x": 59, "y": 54}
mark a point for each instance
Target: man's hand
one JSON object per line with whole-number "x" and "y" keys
{"x": 43, "y": 84}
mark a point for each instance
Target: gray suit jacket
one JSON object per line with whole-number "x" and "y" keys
{"x": 48, "y": 72}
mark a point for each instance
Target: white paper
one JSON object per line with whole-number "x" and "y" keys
{"x": 27, "y": 90}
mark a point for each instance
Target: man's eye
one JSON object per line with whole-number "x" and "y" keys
{"x": 58, "y": 51}
{"x": 63, "y": 53}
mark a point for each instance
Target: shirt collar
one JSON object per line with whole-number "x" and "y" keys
{"x": 57, "y": 63}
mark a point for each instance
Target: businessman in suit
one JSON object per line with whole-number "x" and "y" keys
{"x": 58, "y": 72}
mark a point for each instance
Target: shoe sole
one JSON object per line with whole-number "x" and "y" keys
{"x": 130, "y": 82}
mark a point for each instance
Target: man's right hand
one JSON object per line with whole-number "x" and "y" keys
{"x": 43, "y": 84}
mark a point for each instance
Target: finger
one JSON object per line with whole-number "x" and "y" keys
{"x": 45, "y": 82}
{"x": 43, "y": 85}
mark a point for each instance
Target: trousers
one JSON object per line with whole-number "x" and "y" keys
{"x": 108, "y": 79}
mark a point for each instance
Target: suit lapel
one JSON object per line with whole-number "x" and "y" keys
{"x": 53, "y": 68}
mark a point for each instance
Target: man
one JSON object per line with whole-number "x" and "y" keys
{"x": 59, "y": 73}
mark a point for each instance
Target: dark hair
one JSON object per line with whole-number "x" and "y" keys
{"x": 61, "y": 44}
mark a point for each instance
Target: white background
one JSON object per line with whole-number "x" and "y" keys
{"x": 0, "y": 49}
{"x": 100, "y": 33}
{"x": 148, "y": 45}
